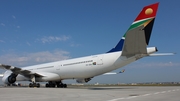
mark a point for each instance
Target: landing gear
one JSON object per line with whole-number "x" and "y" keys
{"x": 61, "y": 85}
{"x": 33, "y": 84}
{"x": 54, "y": 84}
{"x": 51, "y": 84}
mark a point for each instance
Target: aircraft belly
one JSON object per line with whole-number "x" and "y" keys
{"x": 49, "y": 77}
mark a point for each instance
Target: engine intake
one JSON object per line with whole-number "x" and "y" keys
{"x": 9, "y": 77}
{"x": 12, "y": 79}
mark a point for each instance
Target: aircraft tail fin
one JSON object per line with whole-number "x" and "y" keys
{"x": 137, "y": 37}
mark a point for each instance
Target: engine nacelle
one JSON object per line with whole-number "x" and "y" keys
{"x": 9, "y": 77}
{"x": 83, "y": 80}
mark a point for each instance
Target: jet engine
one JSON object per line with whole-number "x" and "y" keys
{"x": 83, "y": 80}
{"x": 9, "y": 77}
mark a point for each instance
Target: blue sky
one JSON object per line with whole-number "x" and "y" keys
{"x": 39, "y": 31}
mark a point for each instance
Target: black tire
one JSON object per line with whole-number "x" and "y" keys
{"x": 30, "y": 85}
{"x": 58, "y": 86}
{"x": 38, "y": 85}
{"x": 47, "y": 85}
{"x": 64, "y": 85}
{"x": 53, "y": 85}
{"x": 61, "y": 85}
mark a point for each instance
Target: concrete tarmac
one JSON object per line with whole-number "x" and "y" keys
{"x": 118, "y": 93}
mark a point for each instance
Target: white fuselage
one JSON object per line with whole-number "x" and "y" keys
{"x": 79, "y": 68}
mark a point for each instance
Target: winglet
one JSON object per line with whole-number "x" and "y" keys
{"x": 112, "y": 73}
{"x": 122, "y": 71}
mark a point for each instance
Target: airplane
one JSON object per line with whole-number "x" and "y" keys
{"x": 131, "y": 47}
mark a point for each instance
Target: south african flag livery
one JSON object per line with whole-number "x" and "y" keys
{"x": 145, "y": 19}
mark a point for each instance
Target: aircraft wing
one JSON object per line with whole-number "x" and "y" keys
{"x": 112, "y": 73}
{"x": 17, "y": 70}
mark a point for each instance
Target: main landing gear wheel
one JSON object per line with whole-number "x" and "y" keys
{"x": 54, "y": 84}
{"x": 62, "y": 85}
{"x": 34, "y": 85}
{"x": 50, "y": 85}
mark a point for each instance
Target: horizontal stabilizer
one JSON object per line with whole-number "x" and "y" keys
{"x": 162, "y": 54}
{"x": 1, "y": 75}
